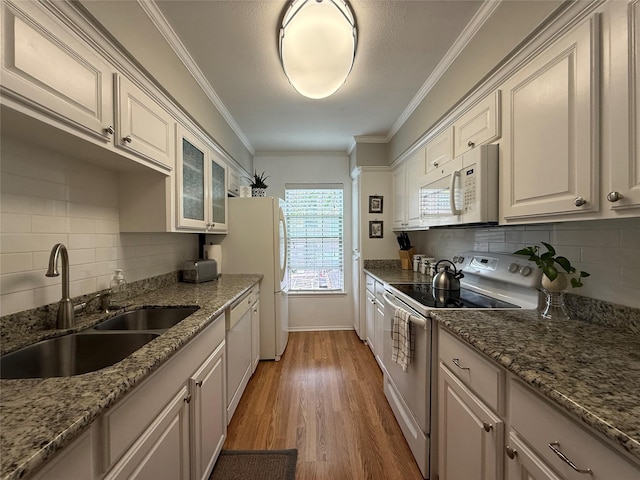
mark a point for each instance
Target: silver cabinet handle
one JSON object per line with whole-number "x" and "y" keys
{"x": 128, "y": 139}
{"x": 511, "y": 453}
{"x": 199, "y": 383}
{"x": 435, "y": 164}
{"x": 456, "y": 362}
{"x": 109, "y": 130}
{"x": 579, "y": 201}
{"x": 487, "y": 426}
{"x": 470, "y": 143}
{"x": 613, "y": 197}
{"x": 554, "y": 447}
{"x": 187, "y": 399}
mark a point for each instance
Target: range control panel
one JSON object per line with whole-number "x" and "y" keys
{"x": 515, "y": 269}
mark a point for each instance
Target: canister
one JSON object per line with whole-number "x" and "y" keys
{"x": 426, "y": 266}
{"x": 417, "y": 258}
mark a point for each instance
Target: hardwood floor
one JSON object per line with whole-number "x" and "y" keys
{"x": 325, "y": 398}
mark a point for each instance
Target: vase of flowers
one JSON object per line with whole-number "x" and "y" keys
{"x": 258, "y": 185}
{"x": 557, "y": 274}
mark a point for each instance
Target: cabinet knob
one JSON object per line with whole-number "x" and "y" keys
{"x": 109, "y": 130}
{"x": 187, "y": 399}
{"x": 199, "y": 383}
{"x": 487, "y": 426}
{"x": 613, "y": 197}
{"x": 579, "y": 201}
{"x": 435, "y": 164}
{"x": 511, "y": 453}
{"x": 127, "y": 139}
{"x": 470, "y": 144}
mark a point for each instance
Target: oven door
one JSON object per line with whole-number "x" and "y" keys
{"x": 409, "y": 393}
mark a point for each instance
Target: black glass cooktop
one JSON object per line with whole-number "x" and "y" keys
{"x": 424, "y": 294}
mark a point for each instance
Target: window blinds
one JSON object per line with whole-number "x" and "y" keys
{"x": 315, "y": 237}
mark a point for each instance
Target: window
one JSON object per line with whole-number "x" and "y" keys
{"x": 315, "y": 237}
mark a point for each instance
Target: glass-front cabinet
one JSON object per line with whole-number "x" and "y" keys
{"x": 201, "y": 183}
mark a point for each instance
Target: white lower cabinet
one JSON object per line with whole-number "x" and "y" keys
{"x": 173, "y": 425}
{"x": 208, "y": 413}
{"x": 76, "y": 462}
{"x": 162, "y": 451}
{"x": 255, "y": 332}
{"x": 470, "y": 435}
{"x": 370, "y": 313}
{"x": 543, "y": 442}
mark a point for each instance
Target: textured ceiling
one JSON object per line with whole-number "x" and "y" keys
{"x": 234, "y": 44}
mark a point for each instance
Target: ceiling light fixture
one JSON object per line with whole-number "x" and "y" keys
{"x": 318, "y": 41}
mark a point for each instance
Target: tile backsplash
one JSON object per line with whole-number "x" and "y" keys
{"x": 608, "y": 249}
{"x": 48, "y": 198}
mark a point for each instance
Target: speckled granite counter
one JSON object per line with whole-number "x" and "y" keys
{"x": 589, "y": 369}
{"x": 41, "y": 416}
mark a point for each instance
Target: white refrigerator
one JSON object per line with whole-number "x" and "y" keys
{"x": 257, "y": 243}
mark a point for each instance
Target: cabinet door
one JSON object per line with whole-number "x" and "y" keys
{"x": 162, "y": 451}
{"x": 208, "y": 413}
{"x": 191, "y": 181}
{"x": 378, "y": 328}
{"x": 370, "y": 310}
{"x": 46, "y": 69}
{"x": 143, "y": 126}
{"x": 524, "y": 464}
{"x": 622, "y": 105}
{"x": 478, "y": 126}
{"x": 255, "y": 335}
{"x": 550, "y": 144}
{"x": 415, "y": 174}
{"x": 399, "y": 189}
{"x": 439, "y": 150}
{"x": 75, "y": 462}
{"x": 217, "y": 194}
{"x": 239, "y": 357}
{"x": 470, "y": 435}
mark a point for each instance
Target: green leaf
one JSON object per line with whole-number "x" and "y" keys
{"x": 551, "y": 250}
{"x": 565, "y": 263}
{"x": 585, "y": 274}
{"x": 551, "y": 272}
{"x": 575, "y": 282}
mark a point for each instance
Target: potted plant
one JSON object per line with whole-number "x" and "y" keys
{"x": 556, "y": 273}
{"x": 258, "y": 185}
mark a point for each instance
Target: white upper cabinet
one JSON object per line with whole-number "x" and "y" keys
{"x": 143, "y": 126}
{"x": 621, "y": 107}
{"x": 549, "y": 148}
{"x": 50, "y": 72}
{"x": 201, "y": 185}
{"x": 480, "y": 125}
{"x": 406, "y": 181}
{"x": 439, "y": 150}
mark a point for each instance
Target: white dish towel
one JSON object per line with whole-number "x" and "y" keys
{"x": 402, "y": 350}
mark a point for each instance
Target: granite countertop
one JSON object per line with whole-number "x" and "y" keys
{"x": 588, "y": 369}
{"x": 38, "y": 417}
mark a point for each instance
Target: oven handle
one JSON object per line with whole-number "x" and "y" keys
{"x": 414, "y": 316}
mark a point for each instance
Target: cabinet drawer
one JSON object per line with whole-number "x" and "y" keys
{"x": 380, "y": 293}
{"x": 540, "y": 424}
{"x": 370, "y": 282}
{"x": 480, "y": 375}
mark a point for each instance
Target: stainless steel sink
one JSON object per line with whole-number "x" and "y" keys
{"x": 72, "y": 354}
{"x": 147, "y": 319}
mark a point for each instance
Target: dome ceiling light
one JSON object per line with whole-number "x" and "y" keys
{"x": 317, "y": 45}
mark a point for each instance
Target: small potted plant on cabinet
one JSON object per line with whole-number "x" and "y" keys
{"x": 557, "y": 273}
{"x": 258, "y": 185}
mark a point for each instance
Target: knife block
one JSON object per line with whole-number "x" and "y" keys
{"x": 406, "y": 258}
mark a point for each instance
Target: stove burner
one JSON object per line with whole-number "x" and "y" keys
{"x": 434, "y": 298}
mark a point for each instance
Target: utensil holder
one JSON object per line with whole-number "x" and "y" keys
{"x": 406, "y": 258}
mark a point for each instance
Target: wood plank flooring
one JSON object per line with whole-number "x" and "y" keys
{"x": 325, "y": 398}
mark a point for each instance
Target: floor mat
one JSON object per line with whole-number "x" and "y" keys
{"x": 255, "y": 465}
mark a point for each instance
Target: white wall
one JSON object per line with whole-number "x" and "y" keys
{"x": 47, "y": 198}
{"x": 608, "y": 249}
{"x": 320, "y": 311}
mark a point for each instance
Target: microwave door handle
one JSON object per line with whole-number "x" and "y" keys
{"x": 452, "y": 193}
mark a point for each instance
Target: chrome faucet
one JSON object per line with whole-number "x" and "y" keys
{"x": 66, "y": 317}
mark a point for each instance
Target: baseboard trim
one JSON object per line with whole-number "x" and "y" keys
{"x": 323, "y": 328}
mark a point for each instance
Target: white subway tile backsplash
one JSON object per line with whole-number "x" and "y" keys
{"x": 608, "y": 249}
{"x": 46, "y": 198}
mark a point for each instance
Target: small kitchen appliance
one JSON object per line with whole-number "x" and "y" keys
{"x": 479, "y": 280}
{"x": 198, "y": 271}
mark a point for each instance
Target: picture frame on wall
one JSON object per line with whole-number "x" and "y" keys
{"x": 375, "y": 203}
{"x": 376, "y": 229}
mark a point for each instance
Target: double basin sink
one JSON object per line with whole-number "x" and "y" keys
{"x": 105, "y": 344}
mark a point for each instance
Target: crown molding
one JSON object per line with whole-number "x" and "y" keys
{"x": 479, "y": 19}
{"x": 158, "y": 19}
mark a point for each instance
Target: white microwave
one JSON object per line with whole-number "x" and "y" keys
{"x": 462, "y": 191}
